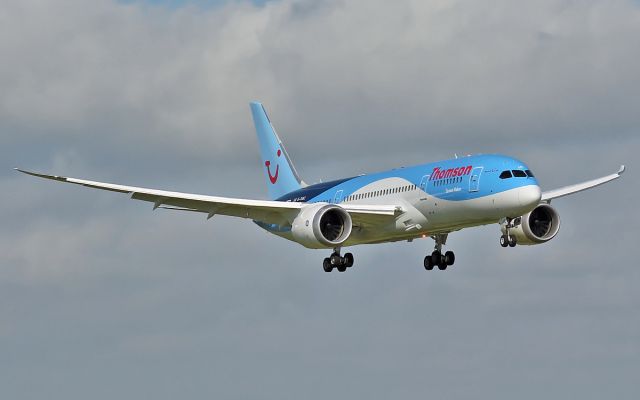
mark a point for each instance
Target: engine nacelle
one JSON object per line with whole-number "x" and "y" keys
{"x": 321, "y": 226}
{"x": 538, "y": 226}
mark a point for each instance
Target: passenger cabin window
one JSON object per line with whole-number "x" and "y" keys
{"x": 529, "y": 173}
{"x": 519, "y": 173}
{"x": 505, "y": 175}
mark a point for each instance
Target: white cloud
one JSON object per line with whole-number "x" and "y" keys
{"x": 93, "y": 285}
{"x": 179, "y": 80}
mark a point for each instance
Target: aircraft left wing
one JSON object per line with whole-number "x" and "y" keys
{"x": 579, "y": 187}
{"x": 273, "y": 212}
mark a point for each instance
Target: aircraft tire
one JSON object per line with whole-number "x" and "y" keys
{"x": 449, "y": 257}
{"x": 428, "y": 265}
{"x": 512, "y": 241}
{"x": 504, "y": 242}
{"x": 436, "y": 258}
{"x": 326, "y": 265}
{"x": 348, "y": 260}
{"x": 335, "y": 259}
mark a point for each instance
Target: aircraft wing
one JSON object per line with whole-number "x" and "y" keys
{"x": 579, "y": 187}
{"x": 274, "y": 212}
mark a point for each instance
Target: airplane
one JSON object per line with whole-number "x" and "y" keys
{"x": 428, "y": 200}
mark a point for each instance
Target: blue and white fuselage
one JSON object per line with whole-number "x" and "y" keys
{"x": 436, "y": 197}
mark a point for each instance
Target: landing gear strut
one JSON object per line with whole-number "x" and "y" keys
{"x": 341, "y": 263}
{"x": 442, "y": 261}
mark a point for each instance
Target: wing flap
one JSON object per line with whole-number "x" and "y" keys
{"x": 372, "y": 215}
{"x": 383, "y": 209}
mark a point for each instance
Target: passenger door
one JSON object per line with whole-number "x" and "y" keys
{"x": 423, "y": 183}
{"x": 474, "y": 180}
{"x": 338, "y": 197}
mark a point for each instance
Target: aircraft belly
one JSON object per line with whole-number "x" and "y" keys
{"x": 443, "y": 213}
{"x": 425, "y": 215}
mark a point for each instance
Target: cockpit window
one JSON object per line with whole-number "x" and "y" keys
{"x": 519, "y": 173}
{"x": 505, "y": 175}
{"x": 529, "y": 173}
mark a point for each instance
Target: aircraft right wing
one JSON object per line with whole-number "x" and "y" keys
{"x": 579, "y": 187}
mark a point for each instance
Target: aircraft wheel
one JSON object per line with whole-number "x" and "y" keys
{"x": 335, "y": 259}
{"x": 348, "y": 260}
{"x": 436, "y": 258}
{"x": 442, "y": 266}
{"x": 326, "y": 265}
{"x": 428, "y": 265}
{"x": 449, "y": 257}
{"x": 503, "y": 241}
{"x": 512, "y": 241}
{"x": 342, "y": 267}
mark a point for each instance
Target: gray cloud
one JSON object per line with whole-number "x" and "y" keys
{"x": 102, "y": 297}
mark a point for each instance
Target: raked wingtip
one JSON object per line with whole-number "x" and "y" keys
{"x": 24, "y": 171}
{"x": 621, "y": 170}
{"x": 40, "y": 175}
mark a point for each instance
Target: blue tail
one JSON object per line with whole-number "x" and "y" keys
{"x": 281, "y": 175}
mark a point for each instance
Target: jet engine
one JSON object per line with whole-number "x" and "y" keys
{"x": 538, "y": 226}
{"x": 321, "y": 226}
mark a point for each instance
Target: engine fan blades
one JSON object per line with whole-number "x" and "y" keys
{"x": 540, "y": 227}
{"x": 331, "y": 231}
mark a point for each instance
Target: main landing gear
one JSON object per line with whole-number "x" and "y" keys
{"x": 442, "y": 261}
{"x": 341, "y": 263}
{"x": 507, "y": 239}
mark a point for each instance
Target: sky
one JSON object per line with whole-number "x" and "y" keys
{"x": 101, "y": 297}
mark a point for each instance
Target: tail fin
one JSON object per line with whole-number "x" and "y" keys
{"x": 281, "y": 175}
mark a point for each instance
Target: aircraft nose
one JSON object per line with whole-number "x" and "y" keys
{"x": 529, "y": 195}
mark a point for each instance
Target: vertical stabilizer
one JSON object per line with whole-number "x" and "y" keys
{"x": 279, "y": 171}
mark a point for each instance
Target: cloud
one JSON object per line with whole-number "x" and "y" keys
{"x": 100, "y": 296}
{"x": 177, "y": 82}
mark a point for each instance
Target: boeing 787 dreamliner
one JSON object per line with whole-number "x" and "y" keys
{"x": 428, "y": 200}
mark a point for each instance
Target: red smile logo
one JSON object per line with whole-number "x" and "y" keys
{"x": 267, "y": 164}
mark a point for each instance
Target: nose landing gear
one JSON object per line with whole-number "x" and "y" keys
{"x": 442, "y": 261}
{"x": 507, "y": 239}
{"x": 336, "y": 261}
